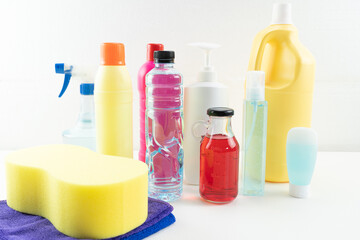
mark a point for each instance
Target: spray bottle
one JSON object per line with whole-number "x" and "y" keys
{"x": 83, "y": 133}
{"x": 206, "y": 93}
{"x": 254, "y": 135}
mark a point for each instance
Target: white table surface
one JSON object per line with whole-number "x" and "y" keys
{"x": 332, "y": 211}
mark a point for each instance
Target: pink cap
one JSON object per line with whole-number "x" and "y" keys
{"x": 151, "y": 48}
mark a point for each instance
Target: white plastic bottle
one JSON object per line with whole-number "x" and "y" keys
{"x": 207, "y": 92}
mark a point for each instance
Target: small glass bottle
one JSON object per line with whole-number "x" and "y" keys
{"x": 219, "y": 158}
{"x": 164, "y": 128}
{"x": 254, "y": 135}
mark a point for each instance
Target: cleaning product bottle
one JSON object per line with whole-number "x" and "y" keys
{"x": 144, "y": 69}
{"x": 289, "y": 79}
{"x": 113, "y": 103}
{"x": 254, "y": 135}
{"x": 207, "y": 92}
{"x": 83, "y": 133}
{"x": 164, "y": 128}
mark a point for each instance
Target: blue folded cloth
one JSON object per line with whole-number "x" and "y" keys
{"x": 15, "y": 225}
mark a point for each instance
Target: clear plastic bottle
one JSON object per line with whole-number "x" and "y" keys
{"x": 164, "y": 128}
{"x": 254, "y": 135}
{"x": 83, "y": 133}
{"x": 219, "y": 158}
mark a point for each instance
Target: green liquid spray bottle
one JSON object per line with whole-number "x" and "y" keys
{"x": 254, "y": 135}
{"x": 83, "y": 133}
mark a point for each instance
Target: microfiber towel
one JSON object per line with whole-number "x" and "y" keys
{"x": 15, "y": 225}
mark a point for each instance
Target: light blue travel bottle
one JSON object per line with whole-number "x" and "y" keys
{"x": 83, "y": 133}
{"x": 301, "y": 151}
{"x": 254, "y": 135}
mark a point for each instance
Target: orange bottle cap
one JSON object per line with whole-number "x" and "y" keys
{"x": 112, "y": 54}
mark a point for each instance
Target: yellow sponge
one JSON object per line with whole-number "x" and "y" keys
{"x": 84, "y": 194}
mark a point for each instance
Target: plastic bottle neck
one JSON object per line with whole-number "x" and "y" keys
{"x": 220, "y": 126}
{"x": 164, "y": 65}
{"x": 87, "y": 112}
{"x": 255, "y": 94}
{"x": 287, "y": 27}
{"x": 207, "y": 76}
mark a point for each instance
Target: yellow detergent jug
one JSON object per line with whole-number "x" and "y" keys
{"x": 113, "y": 103}
{"x": 289, "y": 80}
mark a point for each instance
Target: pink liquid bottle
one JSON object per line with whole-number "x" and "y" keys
{"x": 219, "y": 158}
{"x": 144, "y": 69}
{"x": 164, "y": 128}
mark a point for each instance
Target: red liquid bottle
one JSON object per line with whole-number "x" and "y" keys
{"x": 219, "y": 158}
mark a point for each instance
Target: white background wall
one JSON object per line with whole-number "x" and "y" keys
{"x": 36, "y": 34}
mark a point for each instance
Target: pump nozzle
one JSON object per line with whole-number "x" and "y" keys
{"x": 207, "y": 74}
{"x": 87, "y": 85}
{"x": 255, "y": 85}
{"x": 207, "y": 47}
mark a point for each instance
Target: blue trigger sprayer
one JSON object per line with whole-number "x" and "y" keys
{"x": 83, "y": 133}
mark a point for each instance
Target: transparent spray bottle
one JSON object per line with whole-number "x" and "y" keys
{"x": 254, "y": 135}
{"x": 83, "y": 133}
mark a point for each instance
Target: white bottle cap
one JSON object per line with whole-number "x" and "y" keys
{"x": 255, "y": 85}
{"x": 299, "y": 191}
{"x": 281, "y": 13}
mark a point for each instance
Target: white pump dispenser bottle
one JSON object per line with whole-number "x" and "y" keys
{"x": 207, "y": 92}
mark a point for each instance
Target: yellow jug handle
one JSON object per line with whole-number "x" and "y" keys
{"x": 260, "y": 52}
{"x": 260, "y": 55}
{"x": 296, "y": 52}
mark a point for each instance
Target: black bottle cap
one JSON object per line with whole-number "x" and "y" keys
{"x": 164, "y": 56}
{"x": 220, "y": 112}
